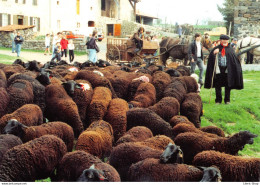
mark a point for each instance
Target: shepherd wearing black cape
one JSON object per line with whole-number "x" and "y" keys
{"x": 228, "y": 71}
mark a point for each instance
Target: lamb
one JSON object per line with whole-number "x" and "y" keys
{"x": 60, "y": 107}
{"x": 2, "y": 79}
{"x": 38, "y": 89}
{"x": 20, "y": 93}
{"x": 95, "y": 80}
{"x": 81, "y": 93}
{"x": 233, "y": 168}
{"x": 59, "y": 129}
{"x": 191, "y": 144}
{"x": 148, "y": 118}
{"x": 7, "y": 142}
{"x": 33, "y": 160}
{"x": 160, "y": 81}
{"x": 4, "y": 101}
{"x": 97, "y": 139}
{"x": 74, "y": 163}
{"x": 126, "y": 154}
{"x": 191, "y": 107}
{"x": 177, "y": 89}
{"x": 116, "y": 116}
{"x": 145, "y": 96}
{"x": 166, "y": 108}
{"x": 175, "y": 120}
{"x": 135, "y": 134}
{"x": 99, "y": 104}
{"x": 21, "y": 115}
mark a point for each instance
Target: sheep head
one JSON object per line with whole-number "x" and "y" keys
{"x": 14, "y": 127}
{"x": 211, "y": 174}
{"x": 70, "y": 86}
{"x": 92, "y": 175}
{"x": 172, "y": 154}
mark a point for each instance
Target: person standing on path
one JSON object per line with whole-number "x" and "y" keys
{"x": 18, "y": 42}
{"x": 226, "y": 69}
{"x": 56, "y": 39}
{"x": 47, "y": 44}
{"x": 57, "y": 51}
{"x": 179, "y": 31}
{"x": 92, "y": 47}
{"x": 71, "y": 48}
{"x": 64, "y": 46}
{"x": 196, "y": 56}
{"x": 12, "y": 36}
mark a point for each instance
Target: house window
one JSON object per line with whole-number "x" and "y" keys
{"x": 35, "y": 3}
{"x": 103, "y": 5}
{"x": 78, "y": 6}
{"x": 4, "y": 19}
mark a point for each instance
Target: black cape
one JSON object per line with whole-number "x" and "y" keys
{"x": 234, "y": 76}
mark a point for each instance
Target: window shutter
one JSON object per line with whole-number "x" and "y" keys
{"x": 15, "y": 20}
{"x": 31, "y": 20}
{"x": 1, "y": 19}
{"x": 39, "y": 24}
{"x": 9, "y": 19}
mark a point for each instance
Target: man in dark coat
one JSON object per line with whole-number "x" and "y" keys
{"x": 228, "y": 71}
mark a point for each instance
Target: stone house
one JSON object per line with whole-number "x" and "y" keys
{"x": 247, "y": 18}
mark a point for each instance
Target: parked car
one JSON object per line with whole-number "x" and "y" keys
{"x": 100, "y": 35}
{"x": 72, "y": 35}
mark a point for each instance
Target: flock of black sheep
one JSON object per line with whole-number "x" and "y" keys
{"x": 102, "y": 122}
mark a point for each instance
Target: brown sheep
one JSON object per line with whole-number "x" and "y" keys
{"x": 184, "y": 127}
{"x": 185, "y": 71}
{"x": 33, "y": 160}
{"x": 21, "y": 115}
{"x": 2, "y": 79}
{"x": 213, "y": 130}
{"x": 97, "y": 139}
{"x": 145, "y": 95}
{"x": 20, "y": 93}
{"x": 96, "y": 80}
{"x": 4, "y": 101}
{"x": 116, "y": 116}
{"x": 60, "y": 107}
{"x": 132, "y": 88}
{"x": 175, "y": 120}
{"x": 233, "y": 168}
{"x": 8, "y": 141}
{"x": 160, "y": 81}
{"x": 59, "y": 129}
{"x": 99, "y": 104}
{"x": 191, "y": 143}
{"x": 191, "y": 107}
{"x": 135, "y": 134}
{"x": 191, "y": 84}
{"x": 11, "y": 69}
{"x": 177, "y": 89}
{"x": 166, "y": 108}
{"x": 152, "y": 170}
{"x": 148, "y": 118}
{"x": 72, "y": 165}
{"x": 126, "y": 154}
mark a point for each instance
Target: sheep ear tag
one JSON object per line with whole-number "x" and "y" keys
{"x": 50, "y": 77}
{"x": 84, "y": 86}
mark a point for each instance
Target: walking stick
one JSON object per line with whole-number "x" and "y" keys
{"x": 216, "y": 59}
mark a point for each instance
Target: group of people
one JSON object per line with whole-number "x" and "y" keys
{"x": 223, "y": 67}
{"x": 17, "y": 41}
{"x": 60, "y": 47}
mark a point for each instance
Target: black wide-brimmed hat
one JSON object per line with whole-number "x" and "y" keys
{"x": 224, "y": 37}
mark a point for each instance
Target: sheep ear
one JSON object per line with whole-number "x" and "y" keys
{"x": 78, "y": 86}
{"x": 24, "y": 126}
{"x": 201, "y": 167}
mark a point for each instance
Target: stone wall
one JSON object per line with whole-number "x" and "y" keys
{"x": 247, "y": 18}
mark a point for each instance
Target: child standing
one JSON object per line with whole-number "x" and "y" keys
{"x": 64, "y": 46}
{"x": 47, "y": 44}
{"x": 71, "y": 48}
{"x": 57, "y": 51}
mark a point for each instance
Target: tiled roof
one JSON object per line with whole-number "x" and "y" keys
{"x": 15, "y": 27}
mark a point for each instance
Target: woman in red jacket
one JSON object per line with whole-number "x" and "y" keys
{"x": 64, "y": 45}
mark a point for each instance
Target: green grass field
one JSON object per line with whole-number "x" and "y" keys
{"x": 6, "y": 59}
{"x": 242, "y": 114}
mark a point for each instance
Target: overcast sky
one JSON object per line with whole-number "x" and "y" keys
{"x": 182, "y": 11}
